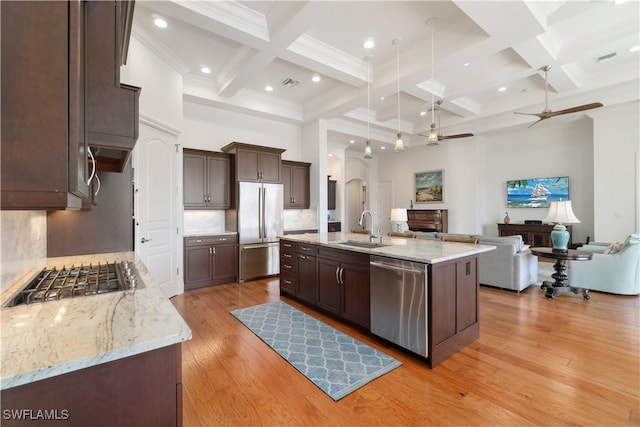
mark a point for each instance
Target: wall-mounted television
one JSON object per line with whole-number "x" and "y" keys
{"x": 537, "y": 192}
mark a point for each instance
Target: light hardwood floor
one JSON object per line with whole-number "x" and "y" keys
{"x": 537, "y": 362}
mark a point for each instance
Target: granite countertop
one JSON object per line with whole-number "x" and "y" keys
{"x": 198, "y": 233}
{"x": 418, "y": 250}
{"x": 47, "y": 339}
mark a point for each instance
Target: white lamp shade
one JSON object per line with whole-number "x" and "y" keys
{"x": 561, "y": 213}
{"x": 399, "y": 215}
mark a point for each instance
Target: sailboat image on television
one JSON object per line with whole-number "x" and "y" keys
{"x": 539, "y": 192}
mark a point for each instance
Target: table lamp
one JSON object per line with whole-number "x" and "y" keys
{"x": 399, "y": 216}
{"x": 560, "y": 213}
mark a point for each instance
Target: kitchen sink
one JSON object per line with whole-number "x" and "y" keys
{"x": 363, "y": 244}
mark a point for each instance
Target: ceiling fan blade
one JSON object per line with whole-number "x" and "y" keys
{"x": 576, "y": 109}
{"x": 459, "y": 135}
{"x": 531, "y": 114}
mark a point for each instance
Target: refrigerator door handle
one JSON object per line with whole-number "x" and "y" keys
{"x": 260, "y": 209}
{"x": 264, "y": 216}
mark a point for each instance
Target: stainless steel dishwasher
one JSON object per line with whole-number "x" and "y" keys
{"x": 399, "y": 302}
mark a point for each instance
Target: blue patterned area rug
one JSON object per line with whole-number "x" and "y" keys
{"x": 332, "y": 360}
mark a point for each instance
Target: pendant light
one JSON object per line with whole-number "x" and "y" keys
{"x": 399, "y": 147}
{"x": 367, "y": 150}
{"x": 433, "y": 133}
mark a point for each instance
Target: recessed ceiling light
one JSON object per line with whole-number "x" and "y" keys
{"x": 206, "y": 70}
{"x": 315, "y": 79}
{"x": 160, "y": 23}
{"x": 351, "y": 141}
{"x": 268, "y": 88}
{"x": 382, "y": 98}
{"x": 634, "y": 48}
{"x": 466, "y": 64}
{"x": 423, "y": 113}
{"x": 383, "y": 147}
{"x": 330, "y": 154}
{"x": 368, "y": 44}
{"x": 502, "y": 89}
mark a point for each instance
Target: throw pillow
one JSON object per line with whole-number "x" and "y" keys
{"x": 612, "y": 248}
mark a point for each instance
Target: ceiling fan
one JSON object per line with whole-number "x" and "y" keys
{"x": 547, "y": 113}
{"x": 441, "y": 137}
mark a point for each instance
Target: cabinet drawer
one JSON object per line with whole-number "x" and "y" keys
{"x": 287, "y": 282}
{"x": 306, "y": 248}
{"x": 287, "y": 246}
{"x": 343, "y": 256}
{"x": 211, "y": 240}
{"x": 287, "y": 264}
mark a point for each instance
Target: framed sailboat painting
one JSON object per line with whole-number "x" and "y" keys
{"x": 537, "y": 192}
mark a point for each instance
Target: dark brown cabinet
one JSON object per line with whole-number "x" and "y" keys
{"x": 44, "y": 146}
{"x": 111, "y": 107}
{"x": 334, "y": 226}
{"x": 536, "y": 235}
{"x": 343, "y": 284}
{"x": 298, "y": 270}
{"x": 453, "y": 313}
{"x": 295, "y": 181}
{"x": 151, "y": 382}
{"x": 206, "y": 180}
{"x": 61, "y": 93}
{"x": 254, "y": 163}
{"x": 210, "y": 260}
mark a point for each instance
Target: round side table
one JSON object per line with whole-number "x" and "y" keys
{"x": 560, "y": 283}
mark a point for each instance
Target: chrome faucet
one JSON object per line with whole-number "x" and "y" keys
{"x": 361, "y": 222}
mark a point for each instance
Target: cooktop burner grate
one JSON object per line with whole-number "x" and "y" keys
{"x": 55, "y": 284}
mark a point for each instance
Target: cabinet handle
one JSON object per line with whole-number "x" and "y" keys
{"x": 288, "y": 282}
{"x": 287, "y": 245}
{"x": 341, "y": 276}
{"x": 287, "y": 266}
{"x": 214, "y": 251}
{"x": 210, "y": 251}
{"x": 337, "y": 274}
{"x": 286, "y": 255}
{"x": 304, "y": 248}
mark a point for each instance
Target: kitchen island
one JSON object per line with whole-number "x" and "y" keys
{"x": 107, "y": 359}
{"x": 331, "y": 272}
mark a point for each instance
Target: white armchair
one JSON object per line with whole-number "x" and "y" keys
{"x": 616, "y": 273}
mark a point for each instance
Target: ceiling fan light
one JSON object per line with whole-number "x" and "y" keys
{"x": 367, "y": 151}
{"x": 399, "y": 147}
{"x": 433, "y": 137}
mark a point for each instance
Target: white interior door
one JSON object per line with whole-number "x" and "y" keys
{"x": 156, "y": 190}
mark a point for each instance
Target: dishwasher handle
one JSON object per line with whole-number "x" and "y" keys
{"x": 392, "y": 267}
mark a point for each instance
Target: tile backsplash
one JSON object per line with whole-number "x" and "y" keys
{"x": 203, "y": 222}
{"x": 23, "y": 243}
{"x": 300, "y": 219}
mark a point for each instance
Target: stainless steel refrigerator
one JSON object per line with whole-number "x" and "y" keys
{"x": 260, "y": 222}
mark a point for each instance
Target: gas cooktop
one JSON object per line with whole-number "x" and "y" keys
{"x": 59, "y": 283}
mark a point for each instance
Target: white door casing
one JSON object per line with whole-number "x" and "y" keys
{"x": 155, "y": 200}
{"x": 385, "y": 195}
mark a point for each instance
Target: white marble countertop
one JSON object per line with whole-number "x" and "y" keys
{"x": 43, "y": 340}
{"x": 198, "y": 233}
{"x": 419, "y": 250}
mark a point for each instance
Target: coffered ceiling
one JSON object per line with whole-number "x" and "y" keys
{"x": 479, "y": 47}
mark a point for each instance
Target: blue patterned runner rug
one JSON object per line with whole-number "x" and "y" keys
{"x": 332, "y": 360}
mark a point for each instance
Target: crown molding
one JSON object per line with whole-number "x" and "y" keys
{"x": 160, "y": 49}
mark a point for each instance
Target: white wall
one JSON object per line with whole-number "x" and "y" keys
{"x": 476, "y": 170}
{"x": 161, "y": 95}
{"x": 616, "y": 179}
{"x": 211, "y": 128}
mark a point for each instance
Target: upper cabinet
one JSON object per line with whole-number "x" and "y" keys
{"x": 295, "y": 180}
{"x": 255, "y": 163}
{"x": 57, "y": 100}
{"x": 44, "y": 146}
{"x": 112, "y": 107}
{"x": 206, "y": 180}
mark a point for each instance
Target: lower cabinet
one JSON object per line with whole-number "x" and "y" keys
{"x": 210, "y": 260}
{"x": 343, "y": 284}
{"x": 140, "y": 390}
{"x": 298, "y": 270}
